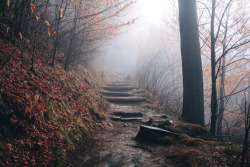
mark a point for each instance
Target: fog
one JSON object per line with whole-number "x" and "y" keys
{"x": 142, "y": 39}
{"x": 120, "y": 53}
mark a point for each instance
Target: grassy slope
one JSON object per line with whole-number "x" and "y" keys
{"x": 53, "y": 110}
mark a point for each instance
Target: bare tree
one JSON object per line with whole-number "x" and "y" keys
{"x": 226, "y": 39}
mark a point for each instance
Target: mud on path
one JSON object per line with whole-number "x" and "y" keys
{"x": 115, "y": 146}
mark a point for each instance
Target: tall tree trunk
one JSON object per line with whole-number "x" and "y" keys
{"x": 214, "y": 104}
{"x": 72, "y": 38}
{"x": 247, "y": 130}
{"x": 56, "y": 36}
{"x": 222, "y": 94}
{"x": 223, "y": 75}
{"x": 193, "y": 96}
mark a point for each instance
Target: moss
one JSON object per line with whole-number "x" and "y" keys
{"x": 189, "y": 141}
{"x": 63, "y": 158}
{"x": 212, "y": 143}
{"x": 231, "y": 150}
{"x": 192, "y": 130}
{"x": 168, "y": 140}
{"x": 191, "y": 157}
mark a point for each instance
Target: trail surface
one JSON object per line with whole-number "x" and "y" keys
{"x": 115, "y": 146}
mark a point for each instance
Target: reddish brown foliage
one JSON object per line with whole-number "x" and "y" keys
{"x": 44, "y": 102}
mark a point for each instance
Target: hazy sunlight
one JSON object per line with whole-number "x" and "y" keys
{"x": 154, "y": 10}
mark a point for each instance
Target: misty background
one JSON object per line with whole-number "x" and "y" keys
{"x": 146, "y": 37}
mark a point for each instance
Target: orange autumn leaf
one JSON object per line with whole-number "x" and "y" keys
{"x": 37, "y": 97}
{"x": 54, "y": 34}
{"x": 32, "y": 7}
{"x": 60, "y": 13}
{"x": 7, "y": 29}
{"x": 20, "y": 34}
{"x": 27, "y": 96}
{"x": 38, "y": 16}
{"x": 48, "y": 31}
{"x": 47, "y": 23}
{"x": 8, "y": 3}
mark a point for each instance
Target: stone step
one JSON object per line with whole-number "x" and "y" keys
{"x": 119, "y": 88}
{"x": 128, "y": 114}
{"x": 118, "y": 84}
{"x": 117, "y": 94}
{"x": 127, "y": 100}
{"x": 130, "y": 119}
{"x": 126, "y": 119}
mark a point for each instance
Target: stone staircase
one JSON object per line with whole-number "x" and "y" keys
{"x": 122, "y": 92}
{"x": 125, "y": 95}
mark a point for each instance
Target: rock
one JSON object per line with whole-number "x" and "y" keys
{"x": 126, "y": 125}
{"x": 149, "y": 133}
{"x": 170, "y": 122}
{"x": 161, "y": 116}
{"x": 165, "y": 123}
{"x": 110, "y": 124}
{"x": 115, "y": 118}
{"x": 159, "y": 123}
{"x": 128, "y": 114}
{"x": 149, "y": 122}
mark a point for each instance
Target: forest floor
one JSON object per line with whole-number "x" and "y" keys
{"x": 116, "y": 144}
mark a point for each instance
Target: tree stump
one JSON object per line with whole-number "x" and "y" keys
{"x": 151, "y": 133}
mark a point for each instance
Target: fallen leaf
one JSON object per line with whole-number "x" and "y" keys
{"x": 7, "y": 29}
{"x": 48, "y": 31}
{"x": 8, "y": 3}
{"x": 20, "y": 34}
{"x": 32, "y": 7}
{"x": 47, "y": 23}
{"x": 38, "y": 16}
{"x": 60, "y": 13}
{"x": 54, "y": 34}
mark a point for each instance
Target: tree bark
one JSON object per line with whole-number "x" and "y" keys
{"x": 214, "y": 104}
{"x": 223, "y": 76}
{"x": 222, "y": 94}
{"x": 193, "y": 96}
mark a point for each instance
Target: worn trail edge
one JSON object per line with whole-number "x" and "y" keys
{"x": 115, "y": 145}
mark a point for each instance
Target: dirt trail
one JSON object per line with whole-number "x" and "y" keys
{"x": 114, "y": 146}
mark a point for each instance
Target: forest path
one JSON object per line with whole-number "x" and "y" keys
{"x": 115, "y": 146}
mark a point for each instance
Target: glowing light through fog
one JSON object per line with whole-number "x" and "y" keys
{"x": 154, "y": 10}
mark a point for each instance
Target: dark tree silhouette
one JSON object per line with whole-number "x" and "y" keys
{"x": 193, "y": 99}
